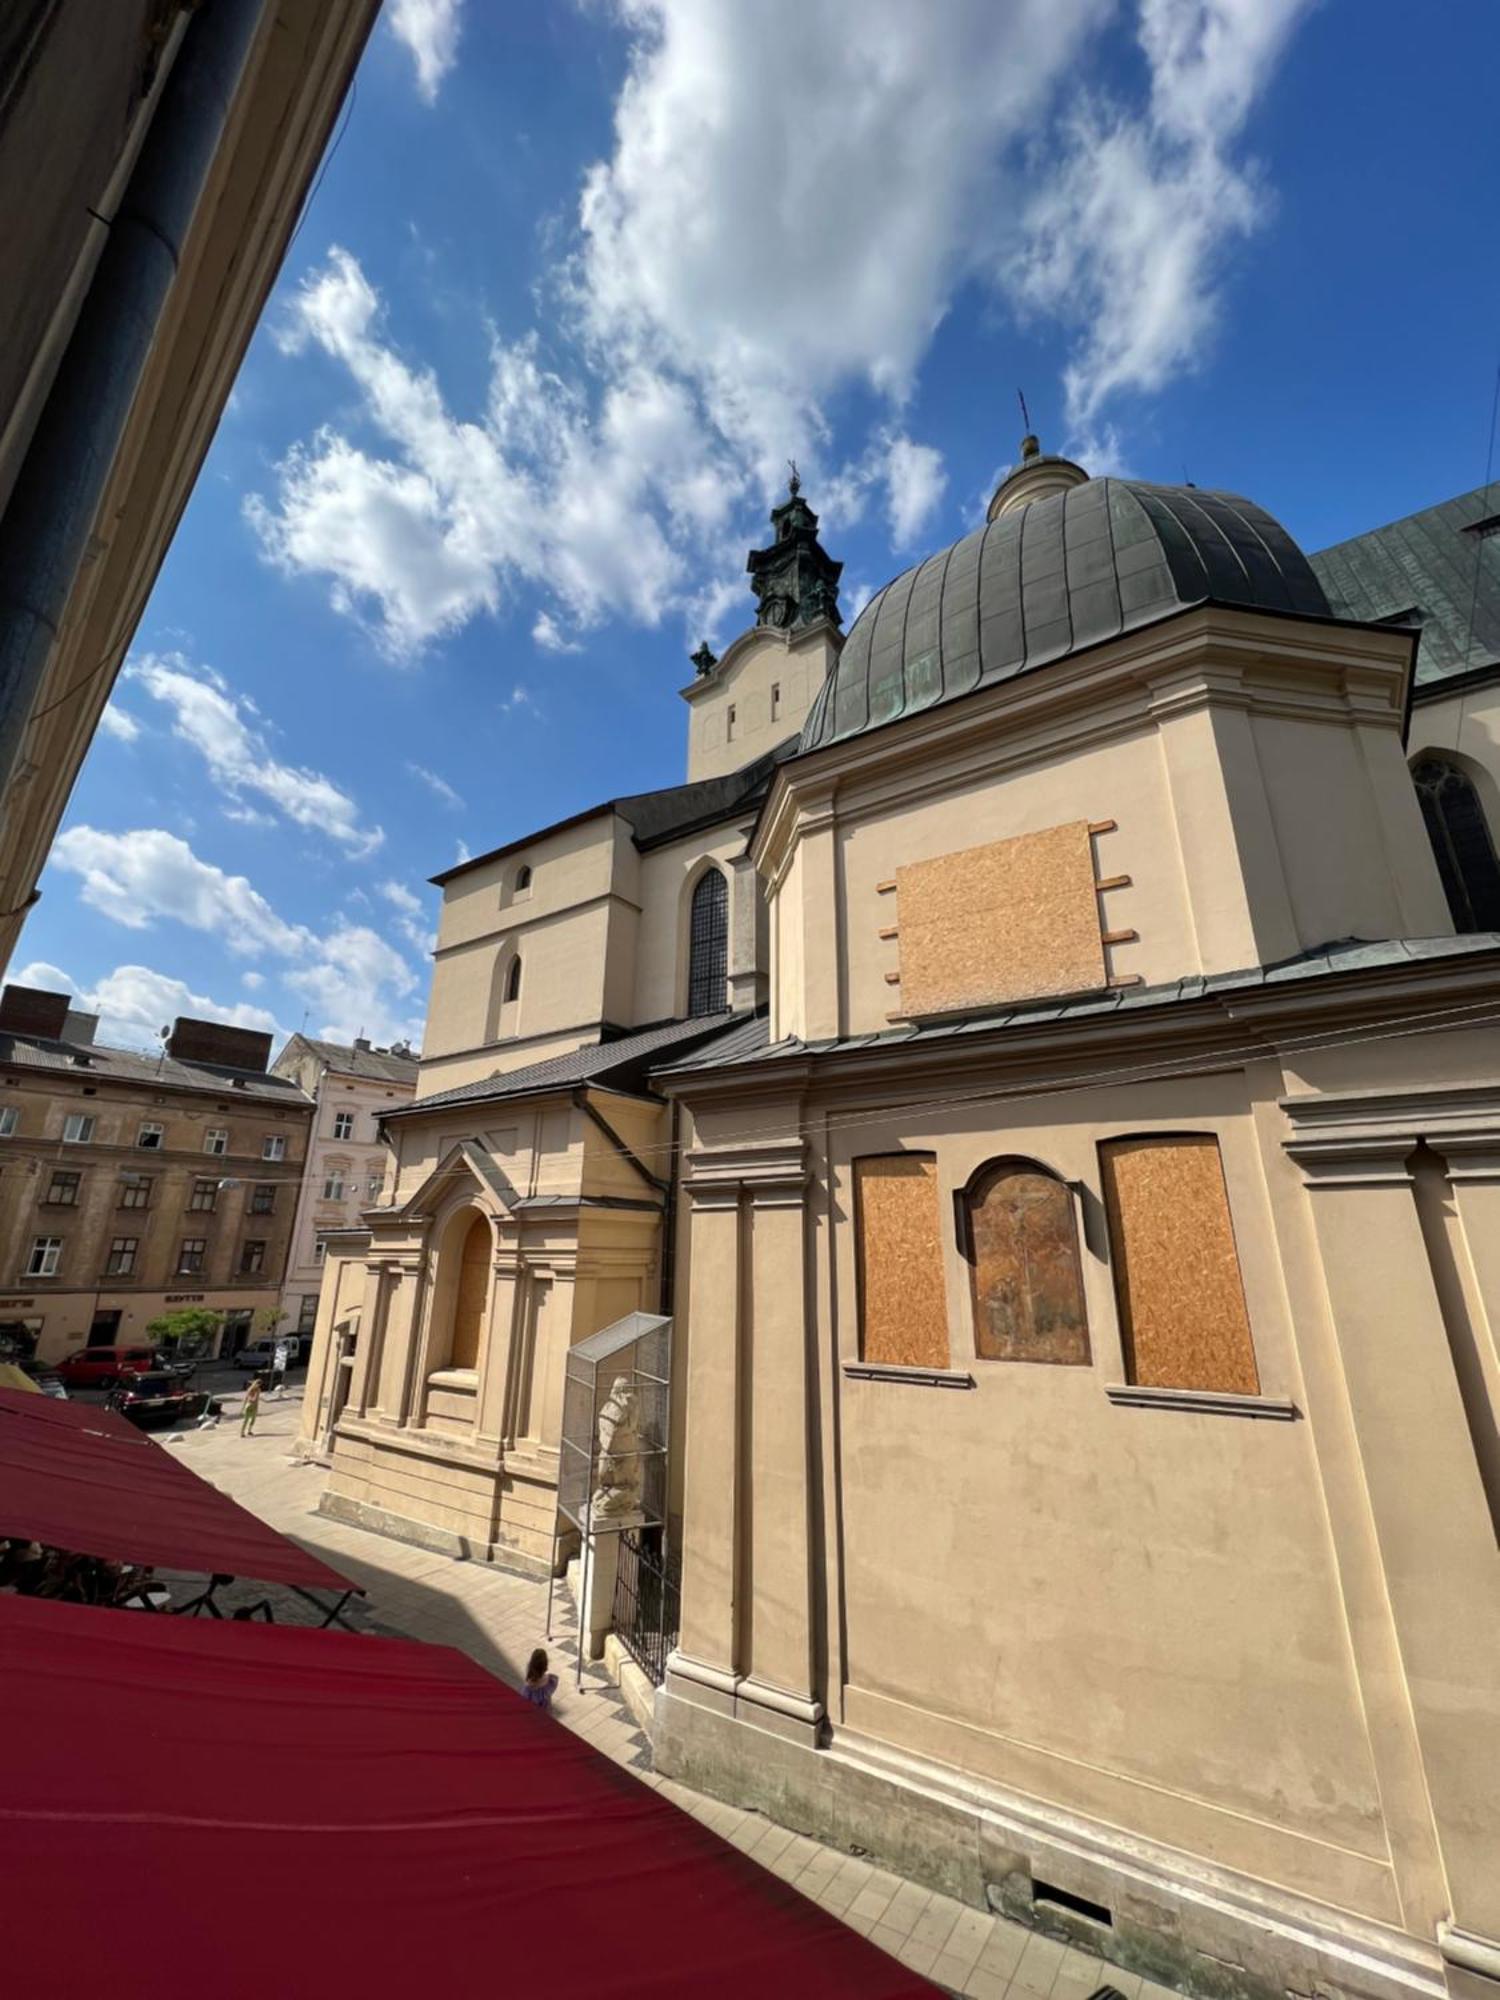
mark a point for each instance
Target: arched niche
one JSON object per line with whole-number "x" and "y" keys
{"x": 1462, "y": 843}
{"x": 1018, "y": 1231}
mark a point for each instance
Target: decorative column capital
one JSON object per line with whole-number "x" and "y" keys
{"x": 771, "y": 1176}
{"x": 1362, "y": 1161}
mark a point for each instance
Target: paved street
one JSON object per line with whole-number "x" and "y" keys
{"x": 497, "y": 1619}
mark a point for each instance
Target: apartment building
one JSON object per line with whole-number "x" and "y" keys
{"x": 348, "y": 1160}
{"x": 133, "y": 1185}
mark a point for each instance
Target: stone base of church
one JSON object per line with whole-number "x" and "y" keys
{"x": 1175, "y": 1919}
{"x": 427, "y": 1535}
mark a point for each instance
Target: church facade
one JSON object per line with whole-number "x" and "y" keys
{"x": 1045, "y": 1059}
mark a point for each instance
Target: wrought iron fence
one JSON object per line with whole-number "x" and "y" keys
{"x": 648, "y": 1599}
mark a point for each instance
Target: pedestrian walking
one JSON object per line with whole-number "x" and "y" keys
{"x": 281, "y": 1358}
{"x": 250, "y": 1409}
{"x": 540, "y": 1685}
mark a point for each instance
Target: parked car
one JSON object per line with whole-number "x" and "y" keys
{"x": 160, "y": 1397}
{"x": 260, "y": 1355}
{"x": 102, "y": 1367}
{"x": 45, "y": 1377}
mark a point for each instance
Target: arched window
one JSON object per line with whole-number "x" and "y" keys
{"x": 1461, "y": 843}
{"x": 708, "y": 945}
{"x": 1020, "y": 1236}
{"x": 523, "y": 878}
{"x": 470, "y": 1296}
{"x": 513, "y": 980}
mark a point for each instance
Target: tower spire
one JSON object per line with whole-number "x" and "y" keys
{"x": 795, "y": 580}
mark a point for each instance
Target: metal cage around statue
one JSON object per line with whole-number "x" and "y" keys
{"x": 612, "y": 1470}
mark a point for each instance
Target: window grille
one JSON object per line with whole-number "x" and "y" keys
{"x": 343, "y": 1125}
{"x": 1461, "y": 843}
{"x": 708, "y": 945}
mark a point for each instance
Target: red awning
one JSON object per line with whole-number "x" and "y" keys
{"x": 248, "y": 1810}
{"x": 80, "y": 1478}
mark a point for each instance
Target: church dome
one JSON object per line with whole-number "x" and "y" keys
{"x": 1045, "y": 579}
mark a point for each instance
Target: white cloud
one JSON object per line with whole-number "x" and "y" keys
{"x": 118, "y": 723}
{"x": 429, "y": 28}
{"x": 915, "y": 482}
{"x": 549, "y": 635}
{"x": 1127, "y": 237}
{"x": 137, "y": 877}
{"x": 254, "y": 980}
{"x": 356, "y": 985}
{"x": 438, "y": 786}
{"x": 134, "y": 1003}
{"x": 410, "y": 917}
{"x": 208, "y": 716}
{"x": 763, "y": 235}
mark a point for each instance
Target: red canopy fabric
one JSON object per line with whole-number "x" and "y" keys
{"x": 253, "y": 1810}
{"x": 82, "y": 1479}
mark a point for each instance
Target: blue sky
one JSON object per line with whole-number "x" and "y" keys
{"x": 575, "y": 283}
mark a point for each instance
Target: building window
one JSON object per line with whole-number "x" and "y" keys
{"x": 263, "y": 1199}
{"x": 205, "y": 1195}
{"x": 903, "y": 1305}
{"x": 776, "y": 701}
{"x": 1461, "y": 843}
{"x": 121, "y": 1259}
{"x": 9, "y": 1119}
{"x": 253, "y": 1256}
{"x": 62, "y": 1190}
{"x": 78, "y": 1129}
{"x": 320, "y": 1252}
{"x": 333, "y": 1187}
{"x": 46, "y": 1255}
{"x": 513, "y": 980}
{"x": 377, "y": 1187}
{"x": 343, "y": 1125}
{"x": 523, "y": 879}
{"x": 729, "y": 724}
{"x": 150, "y": 1136}
{"x": 190, "y": 1257}
{"x": 1176, "y": 1269}
{"x": 135, "y": 1191}
{"x": 273, "y": 1146}
{"x": 708, "y": 945}
{"x": 307, "y": 1312}
{"x": 216, "y": 1140}
{"x": 1019, "y": 1234}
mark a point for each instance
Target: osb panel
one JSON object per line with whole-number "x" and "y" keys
{"x": 1177, "y": 1272}
{"x": 1017, "y": 919}
{"x": 1027, "y": 1286}
{"x": 903, "y": 1306}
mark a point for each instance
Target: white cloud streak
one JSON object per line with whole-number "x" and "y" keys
{"x": 430, "y": 31}
{"x": 206, "y": 715}
{"x": 438, "y": 786}
{"x": 117, "y": 722}
{"x": 134, "y": 1003}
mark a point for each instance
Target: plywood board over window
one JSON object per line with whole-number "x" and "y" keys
{"x": 1016, "y": 919}
{"x": 903, "y": 1305}
{"x": 1176, "y": 1268}
{"x": 1020, "y": 1235}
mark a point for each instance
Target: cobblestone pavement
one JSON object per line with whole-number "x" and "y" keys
{"x": 497, "y": 1619}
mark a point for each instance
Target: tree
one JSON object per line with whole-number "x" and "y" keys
{"x": 265, "y": 1320}
{"x": 187, "y": 1335}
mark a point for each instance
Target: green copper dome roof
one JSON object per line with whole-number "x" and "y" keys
{"x": 1045, "y": 580}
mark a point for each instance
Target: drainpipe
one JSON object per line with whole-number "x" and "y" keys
{"x": 58, "y": 489}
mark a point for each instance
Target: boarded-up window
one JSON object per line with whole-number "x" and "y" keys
{"x": 1177, "y": 1272}
{"x": 471, "y": 1296}
{"x": 903, "y": 1307}
{"x": 1020, "y": 1236}
{"x": 1013, "y": 920}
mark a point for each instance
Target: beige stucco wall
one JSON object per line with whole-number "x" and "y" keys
{"x": 769, "y": 679}
{"x": 1254, "y": 775}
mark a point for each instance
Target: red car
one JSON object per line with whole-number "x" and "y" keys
{"x": 102, "y": 1367}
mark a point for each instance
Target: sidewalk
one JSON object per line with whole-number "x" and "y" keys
{"x": 497, "y": 1619}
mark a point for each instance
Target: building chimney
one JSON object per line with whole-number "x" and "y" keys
{"x": 31, "y": 1010}
{"x": 218, "y": 1045}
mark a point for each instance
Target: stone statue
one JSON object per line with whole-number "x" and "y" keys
{"x": 617, "y": 1482}
{"x": 705, "y": 659}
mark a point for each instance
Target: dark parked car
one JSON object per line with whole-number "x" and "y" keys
{"x": 102, "y": 1367}
{"x": 160, "y": 1397}
{"x": 45, "y": 1377}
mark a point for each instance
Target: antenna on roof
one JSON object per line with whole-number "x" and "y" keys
{"x": 1025, "y": 413}
{"x": 1489, "y": 466}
